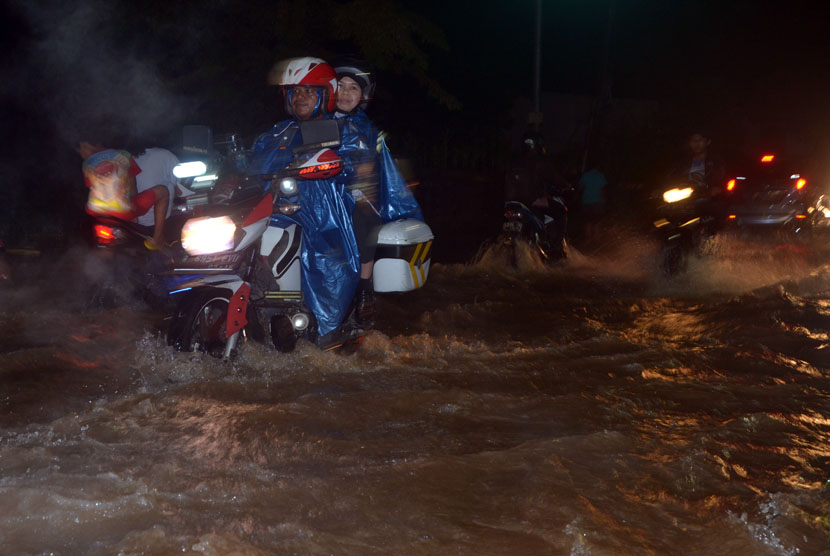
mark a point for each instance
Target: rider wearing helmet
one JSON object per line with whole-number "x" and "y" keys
{"x": 380, "y": 192}
{"x": 329, "y": 259}
{"x": 308, "y": 88}
{"x": 355, "y": 85}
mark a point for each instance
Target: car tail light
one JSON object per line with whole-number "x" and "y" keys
{"x": 800, "y": 183}
{"x": 730, "y": 185}
{"x": 801, "y": 216}
{"x": 732, "y": 216}
{"x": 768, "y": 158}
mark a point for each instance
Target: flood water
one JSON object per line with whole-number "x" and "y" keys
{"x": 592, "y": 408}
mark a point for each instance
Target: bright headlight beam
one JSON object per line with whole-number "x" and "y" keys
{"x": 189, "y": 169}
{"x": 203, "y": 236}
{"x": 674, "y": 195}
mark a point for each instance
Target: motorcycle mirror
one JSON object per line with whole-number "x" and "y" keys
{"x": 197, "y": 139}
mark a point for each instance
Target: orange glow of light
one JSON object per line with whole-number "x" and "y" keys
{"x": 768, "y": 158}
{"x": 730, "y": 185}
{"x": 800, "y": 216}
{"x": 104, "y": 232}
{"x": 733, "y": 216}
{"x": 800, "y": 183}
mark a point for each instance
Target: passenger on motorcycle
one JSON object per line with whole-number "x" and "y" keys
{"x": 113, "y": 178}
{"x": 381, "y": 194}
{"x": 355, "y": 86}
{"x": 330, "y": 259}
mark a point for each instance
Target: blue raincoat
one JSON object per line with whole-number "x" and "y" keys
{"x": 361, "y": 142}
{"x": 329, "y": 259}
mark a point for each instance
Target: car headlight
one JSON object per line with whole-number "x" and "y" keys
{"x": 677, "y": 194}
{"x": 189, "y": 169}
{"x": 203, "y": 236}
{"x": 288, "y": 187}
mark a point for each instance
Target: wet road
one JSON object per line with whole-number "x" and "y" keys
{"x": 590, "y": 409}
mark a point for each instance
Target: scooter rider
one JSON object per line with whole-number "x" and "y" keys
{"x": 113, "y": 176}
{"x": 701, "y": 167}
{"x": 330, "y": 258}
{"x": 380, "y": 192}
{"x": 534, "y": 179}
{"x": 157, "y": 166}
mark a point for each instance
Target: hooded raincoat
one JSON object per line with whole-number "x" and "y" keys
{"x": 329, "y": 258}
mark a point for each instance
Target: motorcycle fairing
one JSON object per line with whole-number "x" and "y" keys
{"x": 255, "y": 223}
{"x": 280, "y": 248}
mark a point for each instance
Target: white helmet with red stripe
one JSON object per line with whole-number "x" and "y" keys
{"x": 309, "y": 71}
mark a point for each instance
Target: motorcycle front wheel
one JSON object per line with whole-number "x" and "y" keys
{"x": 199, "y": 323}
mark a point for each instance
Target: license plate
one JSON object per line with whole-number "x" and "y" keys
{"x": 512, "y": 226}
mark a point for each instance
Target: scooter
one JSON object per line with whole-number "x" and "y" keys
{"x": 122, "y": 268}
{"x": 685, "y": 216}
{"x": 242, "y": 277}
{"x": 544, "y": 231}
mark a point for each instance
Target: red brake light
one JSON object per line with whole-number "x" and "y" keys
{"x": 730, "y": 185}
{"x": 733, "y": 216}
{"x": 321, "y": 171}
{"x": 800, "y": 183}
{"x": 105, "y": 234}
{"x": 800, "y": 216}
{"x": 768, "y": 158}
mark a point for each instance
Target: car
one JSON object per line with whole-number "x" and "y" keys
{"x": 775, "y": 195}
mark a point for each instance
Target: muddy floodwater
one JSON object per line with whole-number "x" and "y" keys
{"x": 592, "y": 408}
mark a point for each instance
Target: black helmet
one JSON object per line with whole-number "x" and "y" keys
{"x": 361, "y": 72}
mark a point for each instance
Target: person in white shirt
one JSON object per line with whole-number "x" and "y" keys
{"x": 156, "y": 172}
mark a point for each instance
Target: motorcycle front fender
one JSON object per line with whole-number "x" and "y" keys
{"x": 238, "y": 309}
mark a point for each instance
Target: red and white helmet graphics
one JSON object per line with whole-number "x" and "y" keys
{"x": 310, "y": 71}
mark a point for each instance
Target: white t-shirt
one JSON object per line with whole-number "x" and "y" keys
{"x": 156, "y": 169}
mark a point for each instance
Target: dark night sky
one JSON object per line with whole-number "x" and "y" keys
{"x": 724, "y": 65}
{"x": 767, "y": 56}
{"x": 719, "y": 59}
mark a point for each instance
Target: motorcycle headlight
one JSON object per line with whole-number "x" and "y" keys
{"x": 677, "y": 194}
{"x": 189, "y": 169}
{"x": 288, "y": 187}
{"x": 203, "y": 236}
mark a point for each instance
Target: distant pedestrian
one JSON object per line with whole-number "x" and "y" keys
{"x": 593, "y": 194}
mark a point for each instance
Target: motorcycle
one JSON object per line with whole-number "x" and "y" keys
{"x": 242, "y": 275}
{"x": 685, "y": 217}
{"x": 121, "y": 266}
{"x": 545, "y": 232}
